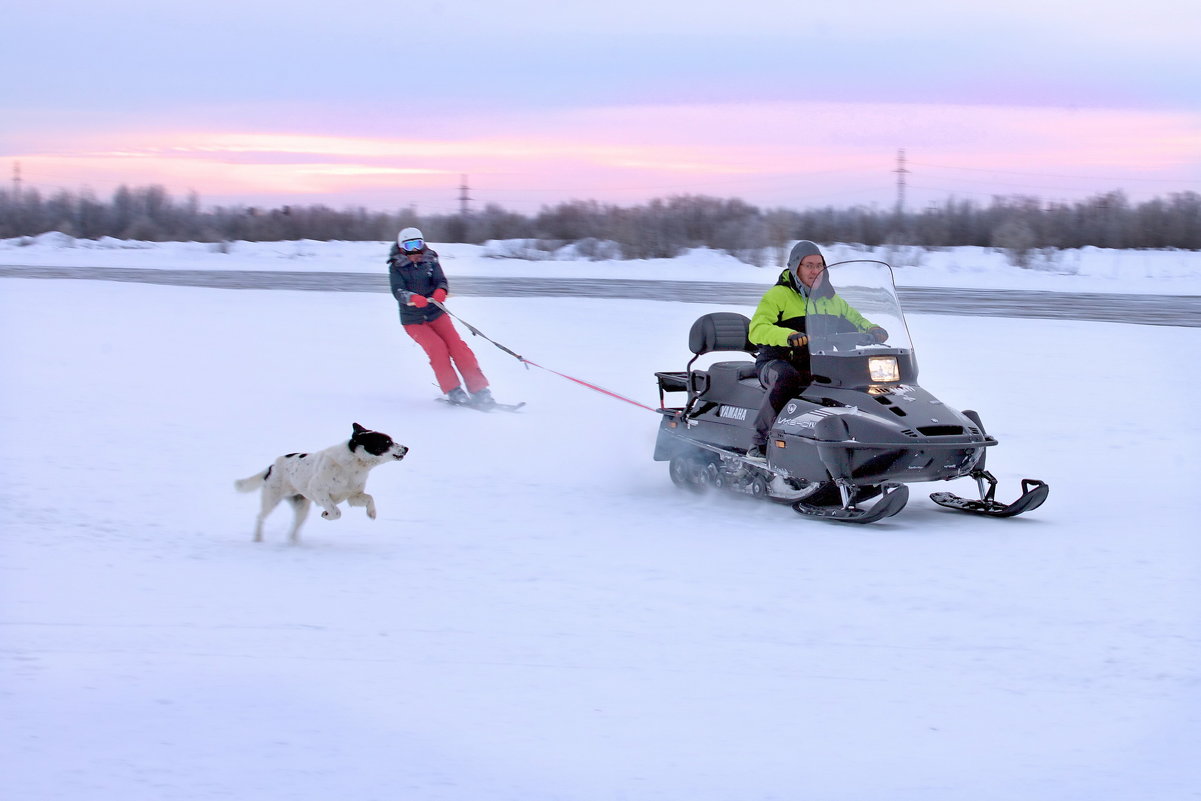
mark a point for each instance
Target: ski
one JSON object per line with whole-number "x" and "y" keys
{"x": 891, "y": 501}
{"x": 491, "y": 407}
{"x": 1034, "y": 492}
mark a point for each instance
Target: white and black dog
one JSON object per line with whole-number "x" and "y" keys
{"x": 328, "y": 477}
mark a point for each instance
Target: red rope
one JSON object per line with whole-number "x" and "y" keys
{"x": 594, "y": 387}
{"x": 476, "y": 332}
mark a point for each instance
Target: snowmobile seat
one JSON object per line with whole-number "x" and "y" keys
{"x": 720, "y": 331}
{"x": 734, "y": 384}
{"x": 717, "y": 332}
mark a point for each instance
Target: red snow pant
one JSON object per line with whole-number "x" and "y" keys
{"x": 442, "y": 343}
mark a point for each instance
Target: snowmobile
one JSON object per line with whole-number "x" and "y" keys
{"x": 861, "y": 430}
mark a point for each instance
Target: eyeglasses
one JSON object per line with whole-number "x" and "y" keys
{"x": 413, "y": 245}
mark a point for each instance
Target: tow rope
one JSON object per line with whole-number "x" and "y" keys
{"x": 477, "y": 332}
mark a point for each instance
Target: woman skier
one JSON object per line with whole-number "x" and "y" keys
{"x": 417, "y": 278}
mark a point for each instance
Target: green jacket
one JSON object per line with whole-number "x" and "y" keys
{"x": 781, "y": 313}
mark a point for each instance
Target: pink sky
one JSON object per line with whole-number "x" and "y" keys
{"x": 386, "y": 106}
{"x": 796, "y": 155}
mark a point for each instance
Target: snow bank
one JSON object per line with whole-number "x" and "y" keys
{"x": 1167, "y": 272}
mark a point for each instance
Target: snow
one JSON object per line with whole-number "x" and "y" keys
{"x": 1165, "y": 272}
{"x": 538, "y": 613}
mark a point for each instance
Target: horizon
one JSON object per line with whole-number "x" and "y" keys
{"x": 283, "y": 202}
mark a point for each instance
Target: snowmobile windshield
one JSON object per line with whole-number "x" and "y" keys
{"x": 854, "y": 310}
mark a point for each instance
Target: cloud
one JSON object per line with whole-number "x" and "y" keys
{"x": 768, "y": 153}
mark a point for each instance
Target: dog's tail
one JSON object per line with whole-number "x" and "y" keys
{"x": 251, "y": 483}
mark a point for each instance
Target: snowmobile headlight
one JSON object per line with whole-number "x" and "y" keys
{"x": 883, "y": 368}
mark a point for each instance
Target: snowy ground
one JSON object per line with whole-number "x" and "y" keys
{"x": 1167, "y": 272}
{"x": 538, "y": 613}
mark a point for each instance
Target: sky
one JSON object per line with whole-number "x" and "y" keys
{"x": 391, "y": 105}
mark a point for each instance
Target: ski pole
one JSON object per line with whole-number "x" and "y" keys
{"x": 477, "y": 332}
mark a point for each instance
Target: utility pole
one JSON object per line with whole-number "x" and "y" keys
{"x": 901, "y": 173}
{"x": 16, "y": 180}
{"x": 463, "y": 198}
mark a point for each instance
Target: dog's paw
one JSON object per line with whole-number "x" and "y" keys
{"x": 332, "y": 514}
{"x": 371, "y": 512}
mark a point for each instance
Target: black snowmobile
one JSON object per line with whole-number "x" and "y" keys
{"x": 861, "y": 430}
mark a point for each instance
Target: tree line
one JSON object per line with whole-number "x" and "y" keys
{"x": 660, "y": 228}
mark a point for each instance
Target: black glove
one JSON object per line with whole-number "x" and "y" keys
{"x": 798, "y": 340}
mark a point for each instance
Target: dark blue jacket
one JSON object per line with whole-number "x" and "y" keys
{"x": 408, "y": 279}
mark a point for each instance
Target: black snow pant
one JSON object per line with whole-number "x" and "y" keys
{"x": 783, "y": 382}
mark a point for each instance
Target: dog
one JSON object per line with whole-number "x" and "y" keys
{"x": 326, "y": 478}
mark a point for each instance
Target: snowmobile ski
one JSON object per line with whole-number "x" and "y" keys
{"x": 891, "y": 501}
{"x": 481, "y": 407}
{"x": 1034, "y": 492}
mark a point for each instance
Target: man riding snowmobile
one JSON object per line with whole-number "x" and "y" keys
{"x": 778, "y": 327}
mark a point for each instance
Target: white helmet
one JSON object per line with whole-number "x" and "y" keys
{"x": 411, "y": 240}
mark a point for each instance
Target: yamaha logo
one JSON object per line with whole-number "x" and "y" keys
{"x": 733, "y": 412}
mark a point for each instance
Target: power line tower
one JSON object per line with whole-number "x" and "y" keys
{"x": 464, "y": 199}
{"x": 16, "y": 180}
{"x": 901, "y": 173}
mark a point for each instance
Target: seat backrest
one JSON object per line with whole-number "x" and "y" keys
{"x": 720, "y": 331}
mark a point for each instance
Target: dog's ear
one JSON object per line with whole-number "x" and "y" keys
{"x": 358, "y": 429}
